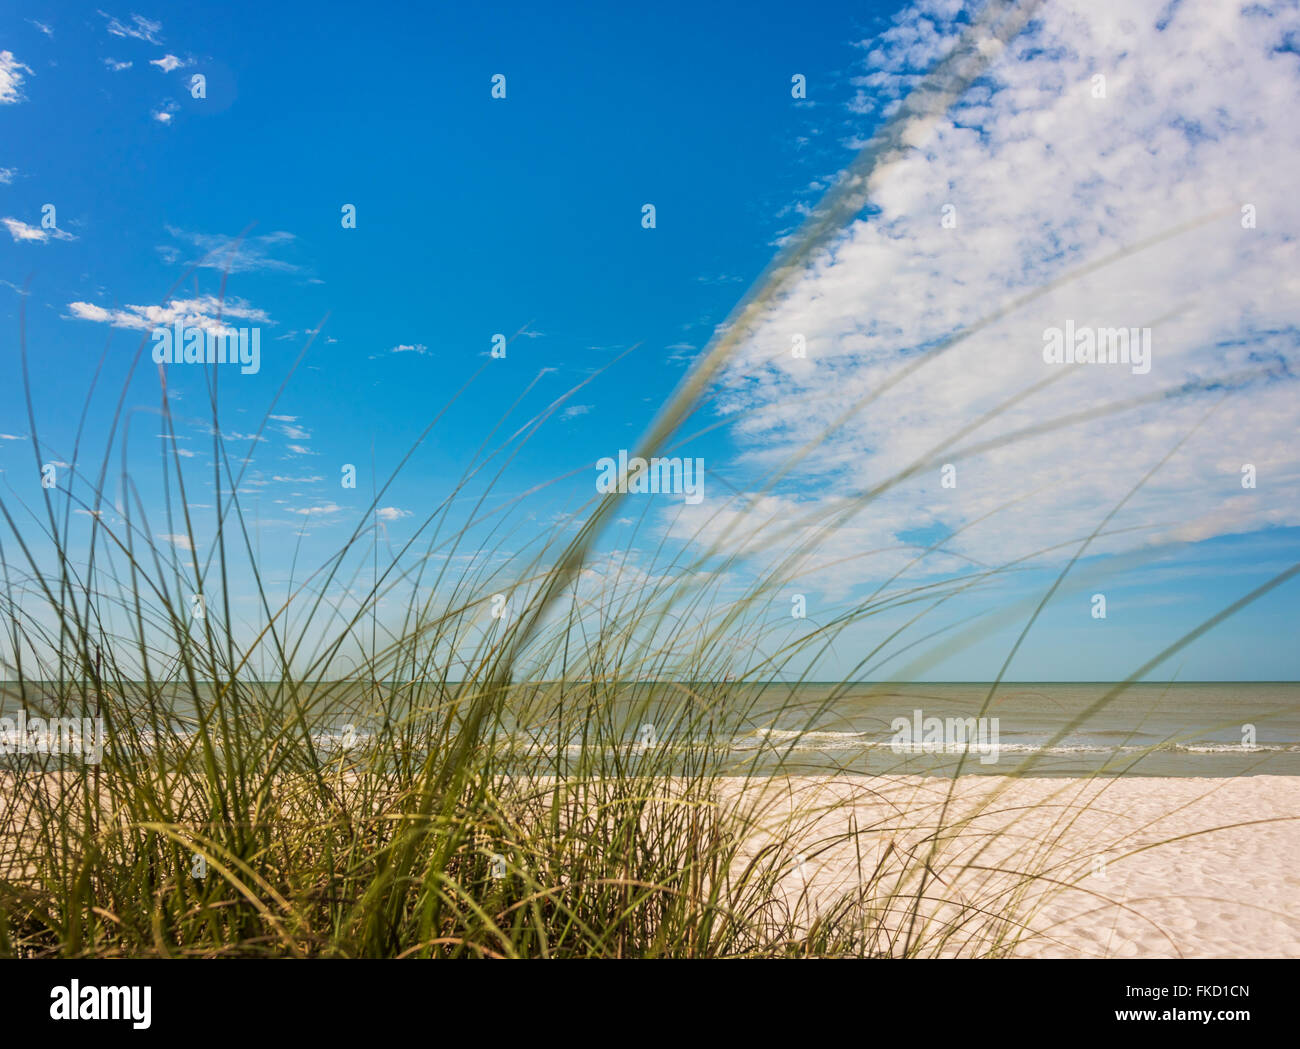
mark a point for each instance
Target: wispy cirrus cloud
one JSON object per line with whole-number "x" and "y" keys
{"x": 232, "y": 254}
{"x": 11, "y": 78}
{"x": 21, "y": 232}
{"x": 139, "y": 28}
{"x": 417, "y": 349}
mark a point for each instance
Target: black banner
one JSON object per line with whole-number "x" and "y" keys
{"x": 1222, "y": 999}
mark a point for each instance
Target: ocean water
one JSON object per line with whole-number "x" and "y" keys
{"x": 1207, "y": 729}
{"x": 1210, "y": 729}
{"x": 1194, "y": 729}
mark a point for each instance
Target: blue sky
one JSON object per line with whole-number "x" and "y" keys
{"x": 522, "y": 216}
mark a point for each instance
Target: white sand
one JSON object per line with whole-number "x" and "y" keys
{"x": 1232, "y": 892}
{"x": 1086, "y": 867}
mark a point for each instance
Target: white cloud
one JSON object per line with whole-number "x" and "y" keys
{"x": 391, "y": 513}
{"x": 20, "y": 231}
{"x": 681, "y": 353}
{"x": 115, "y": 66}
{"x": 88, "y": 311}
{"x": 42, "y": 27}
{"x": 417, "y": 348}
{"x": 316, "y": 511}
{"x": 141, "y": 28}
{"x": 1044, "y": 178}
{"x": 7, "y": 175}
{"x": 200, "y": 312}
{"x": 181, "y": 542}
{"x": 168, "y": 63}
{"x": 11, "y": 78}
{"x": 232, "y": 254}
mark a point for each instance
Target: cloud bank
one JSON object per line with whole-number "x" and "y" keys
{"x": 1160, "y": 135}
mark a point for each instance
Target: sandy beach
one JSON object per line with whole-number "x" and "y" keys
{"x": 1132, "y": 867}
{"x": 1047, "y": 867}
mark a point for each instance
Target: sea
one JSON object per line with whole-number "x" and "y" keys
{"x": 1184, "y": 729}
